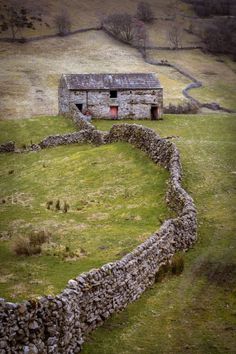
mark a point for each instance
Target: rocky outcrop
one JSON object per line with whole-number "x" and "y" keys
{"x": 60, "y": 324}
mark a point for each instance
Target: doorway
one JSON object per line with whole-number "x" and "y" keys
{"x": 154, "y": 113}
{"x": 114, "y": 112}
{"x": 79, "y": 106}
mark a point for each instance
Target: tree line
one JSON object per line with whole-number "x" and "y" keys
{"x": 206, "y": 8}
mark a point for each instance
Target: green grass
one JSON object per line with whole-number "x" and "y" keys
{"x": 196, "y": 311}
{"x": 217, "y": 75}
{"x": 25, "y": 131}
{"x": 222, "y": 93}
{"x": 191, "y": 313}
{"x": 116, "y": 197}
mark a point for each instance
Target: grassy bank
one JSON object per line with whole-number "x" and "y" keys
{"x": 33, "y": 130}
{"x": 195, "y": 312}
{"x": 115, "y": 196}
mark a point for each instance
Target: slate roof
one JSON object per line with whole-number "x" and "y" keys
{"x": 111, "y": 81}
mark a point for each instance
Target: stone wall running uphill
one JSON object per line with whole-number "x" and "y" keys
{"x": 60, "y": 324}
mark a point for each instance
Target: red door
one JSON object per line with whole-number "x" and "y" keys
{"x": 114, "y": 112}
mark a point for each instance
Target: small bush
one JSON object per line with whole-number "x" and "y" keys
{"x": 22, "y": 247}
{"x": 49, "y": 204}
{"x": 161, "y": 273}
{"x": 31, "y": 244}
{"x": 177, "y": 264}
{"x": 58, "y": 205}
{"x": 175, "y": 267}
{"x": 65, "y": 207}
{"x": 38, "y": 238}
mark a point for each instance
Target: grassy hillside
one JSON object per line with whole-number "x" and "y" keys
{"x": 30, "y": 72}
{"x": 89, "y": 13}
{"x": 116, "y": 198}
{"x": 190, "y": 313}
{"x": 217, "y": 74}
{"x": 194, "y": 312}
{"x": 29, "y": 87}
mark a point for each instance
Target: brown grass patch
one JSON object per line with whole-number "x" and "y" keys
{"x": 218, "y": 273}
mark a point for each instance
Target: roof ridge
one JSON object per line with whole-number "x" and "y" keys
{"x": 108, "y": 81}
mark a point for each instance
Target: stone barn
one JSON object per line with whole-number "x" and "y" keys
{"x": 112, "y": 96}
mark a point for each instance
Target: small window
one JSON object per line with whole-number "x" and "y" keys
{"x": 113, "y": 94}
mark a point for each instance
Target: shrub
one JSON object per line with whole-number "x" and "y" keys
{"x": 175, "y": 267}
{"x": 39, "y": 237}
{"x": 30, "y": 244}
{"x": 58, "y": 205}
{"x": 22, "y": 247}
{"x": 65, "y": 207}
{"x": 49, "y": 204}
{"x": 120, "y": 25}
{"x": 177, "y": 264}
{"x": 144, "y": 12}
{"x": 161, "y": 273}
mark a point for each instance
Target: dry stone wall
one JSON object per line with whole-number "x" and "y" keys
{"x": 7, "y": 147}
{"x": 60, "y": 324}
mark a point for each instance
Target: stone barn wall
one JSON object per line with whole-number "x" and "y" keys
{"x": 60, "y": 324}
{"x": 133, "y": 104}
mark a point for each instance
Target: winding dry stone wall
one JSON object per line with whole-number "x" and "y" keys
{"x": 81, "y": 137}
{"x": 7, "y": 147}
{"x": 60, "y": 324}
{"x": 80, "y": 120}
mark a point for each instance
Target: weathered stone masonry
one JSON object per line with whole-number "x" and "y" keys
{"x": 112, "y": 96}
{"x": 60, "y": 324}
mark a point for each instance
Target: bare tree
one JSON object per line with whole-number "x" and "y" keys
{"x": 175, "y": 35}
{"x": 63, "y": 23}
{"x": 15, "y": 17}
{"x": 145, "y": 12}
{"x": 120, "y": 26}
{"x": 141, "y": 36}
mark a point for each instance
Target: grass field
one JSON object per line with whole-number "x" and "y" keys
{"x": 191, "y": 313}
{"x": 195, "y": 312}
{"x": 33, "y": 130}
{"x": 90, "y": 13}
{"x": 30, "y": 72}
{"x": 217, "y": 74}
{"x": 116, "y": 197}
